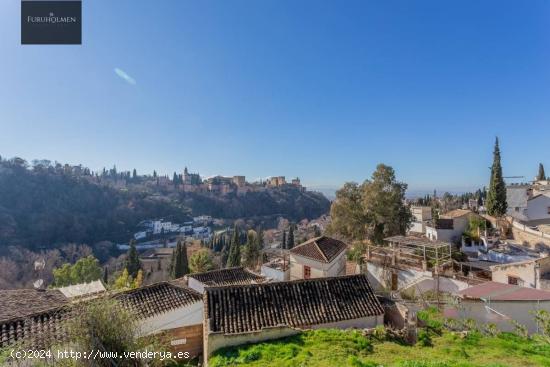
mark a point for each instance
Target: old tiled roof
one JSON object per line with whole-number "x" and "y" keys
{"x": 22, "y": 302}
{"x": 323, "y": 249}
{"x": 158, "y": 298}
{"x": 37, "y": 329}
{"x": 301, "y": 303}
{"x": 229, "y": 276}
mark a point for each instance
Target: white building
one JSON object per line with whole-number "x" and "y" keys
{"x": 421, "y": 216}
{"x": 282, "y": 309}
{"x": 499, "y": 303}
{"x": 318, "y": 257}
{"x": 451, "y": 226}
{"x": 277, "y": 270}
{"x": 529, "y": 203}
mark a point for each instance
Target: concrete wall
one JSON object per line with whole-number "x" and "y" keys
{"x": 195, "y": 284}
{"x": 216, "y": 341}
{"x": 180, "y": 317}
{"x": 318, "y": 269}
{"x": 528, "y": 271}
{"x": 537, "y": 208}
{"x": 274, "y": 274}
{"x": 519, "y": 311}
{"x": 380, "y": 278}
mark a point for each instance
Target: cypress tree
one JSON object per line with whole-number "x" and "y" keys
{"x": 541, "y": 176}
{"x": 496, "y": 196}
{"x": 180, "y": 262}
{"x": 224, "y": 256}
{"x": 105, "y": 276}
{"x": 290, "y": 242}
{"x": 133, "y": 265}
{"x": 283, "y": 244}
{"x": 234, "y": 258}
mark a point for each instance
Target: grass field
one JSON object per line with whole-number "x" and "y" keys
{"x": 332, "y": 348}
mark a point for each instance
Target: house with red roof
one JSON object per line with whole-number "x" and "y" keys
{"x": 500, "y": 304}
{"x": 317, "y": 258}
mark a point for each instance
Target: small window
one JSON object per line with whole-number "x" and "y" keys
{"x": 517, "y": 208}
{"x": 307, "y": 272}
{"x": 513, "y": 280}
{"x": 548, "y": 210}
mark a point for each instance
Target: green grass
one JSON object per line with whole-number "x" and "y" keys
{"x": 333, "y": 348}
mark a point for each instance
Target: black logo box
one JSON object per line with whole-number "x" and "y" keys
{"x": 46, "y": 22}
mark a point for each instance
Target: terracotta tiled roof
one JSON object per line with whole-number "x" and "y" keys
{"x": 323, "y": 249}
{"x": 300, "y": 303}
{"x": 22, "y": 302}
{"x": 37, "y": 329}
{"x": 230, "y": 276}
{"x": 158, "y": 298}
{"x": 504, "y": 292}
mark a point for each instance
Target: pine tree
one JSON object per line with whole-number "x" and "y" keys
{"x": 180, "y": 264}
{"x": 133, "y": 265}
{"x": 234, "y": 258}
{"x": 541, "y": 176}
{"x": 496, "y": 197}
{"x": 290, "y": 242}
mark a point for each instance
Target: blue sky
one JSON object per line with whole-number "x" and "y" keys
{"x": 323, "y": 90}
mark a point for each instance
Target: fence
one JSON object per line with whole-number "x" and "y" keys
{"x": 524, "y": 228}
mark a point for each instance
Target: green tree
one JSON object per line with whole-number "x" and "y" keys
{"x": 224, "y": 257}
{"x": 234, "y": 258}
{"x": 105, "y": 276}
{"x": 496, "y": 196}
{"x": 253, "y": 249}
{"x": 123, "y": 281}
{"x": 180, "y": 264}
{"x": 290, "y": 240}
{"x": 541, "y": 175}
{"x": 133, "y": 265}
{"x": 373, "y": 210}
{"x": 134, "y": 174}
{"x": 85, "y": 270}
{"x": 201, "y": 261}
{"x": 283, "y": 243}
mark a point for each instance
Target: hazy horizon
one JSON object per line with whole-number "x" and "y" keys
{"x": 324, "y": 92}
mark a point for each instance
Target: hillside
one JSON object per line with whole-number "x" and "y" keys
{"x": 334, "y": 348}
{"x": 288, "y": 202}
{"x": 39, "y": 208}
{"x": 46, "y": 204}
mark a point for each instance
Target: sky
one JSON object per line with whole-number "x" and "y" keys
{"x": 323, "y": 90}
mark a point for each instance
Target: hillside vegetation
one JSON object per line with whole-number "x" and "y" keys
{"x": 48, "y": 204}
{"x": 333, "y": 348}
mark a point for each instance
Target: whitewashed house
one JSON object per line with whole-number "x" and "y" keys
{"x": 499, "y": 304}
{"x": 421, "y": 217}
{"x": 318, "y": 257}
{"x": 450, "y": 226}
{"x": 282, "y": 309}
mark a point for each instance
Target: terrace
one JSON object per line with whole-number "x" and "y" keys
{"x": 411, "y": 252}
